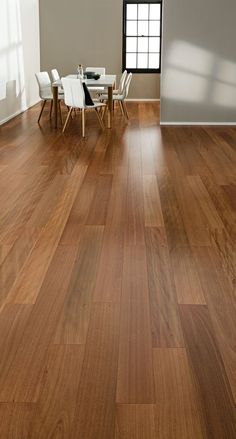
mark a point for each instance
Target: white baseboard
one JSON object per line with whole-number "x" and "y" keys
{"x": 143, "y": 100}
{"x": 198, "y": 123}
{"x": 18, "y": 112}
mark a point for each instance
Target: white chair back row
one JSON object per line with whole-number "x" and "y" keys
{"x": 44, "y": 83}
{"x": 45, "y": 92}
{"x": 127, "y": 85}
{"x": 122, "y": 82}
{"x": 55, "y": 75}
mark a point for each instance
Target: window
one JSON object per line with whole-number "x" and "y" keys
{"x": 142, "y": 36}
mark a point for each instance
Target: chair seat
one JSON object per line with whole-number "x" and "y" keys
{"x": 49, "y": 97}
{"x": 96, "y": 105}
{"x": 116, "y": 97}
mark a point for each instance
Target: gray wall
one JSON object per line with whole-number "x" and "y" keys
{"x": 199, "y": 61}
{"x": 19, "y": 56}
{"x": 88, "y": 32}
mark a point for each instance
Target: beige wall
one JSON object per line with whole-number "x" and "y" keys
{"x": 19, "y": 56}
{"x": 199, "y": 61}
{"x": 88, "y": 32}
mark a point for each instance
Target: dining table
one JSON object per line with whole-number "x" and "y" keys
{"x": 107, "y": 82}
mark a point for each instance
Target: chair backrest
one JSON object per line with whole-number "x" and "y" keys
{"x": 44, "y": 83}
{"x": 98, "y": 70}
{"x": 55, "y": 75}
{"x": 122, "y": 82}
{"x": 127, "y": 85}
{"x": 73, "y": 92}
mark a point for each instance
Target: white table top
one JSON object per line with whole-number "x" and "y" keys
{"x": 103, "y": 81}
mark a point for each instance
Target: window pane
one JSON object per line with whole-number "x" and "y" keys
{"x": 143, "y": 12}
{"x": 142, "y": 60}
{"x": 131, "y": 28}
{"x": 131, "y": 44}
{"x": 154, "y": 44}
{"x": 155, "y": 12}
{"x": 131, "y": 60}
{"x": 142, "y": 44}
{"x": 154, "y": 61}
{"x": 143, "y": 28}
{"x": 132, "y": 12}
{"x": 154, "y": 28}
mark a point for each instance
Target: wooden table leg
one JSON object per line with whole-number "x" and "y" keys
{"x": 55, "y": 104}
{"x": 110, "y": 106}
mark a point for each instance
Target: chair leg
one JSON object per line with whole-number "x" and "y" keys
{"x": 99, "y": 119}
{"x": 60, "y": 115}
{"x": 83, "y": 122}
{"x": 41, "y": 112}
{"x": 103, "y": 111}
{"x": 67, "y": 120}
{"x": 51, "y": 107}
{"x": 68, "y": 108}
{"x": 122, "y": 109}
{"x": 125, "y": 109}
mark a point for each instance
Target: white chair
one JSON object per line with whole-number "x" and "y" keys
{"x": 121, "y": 97}
{"x": 56, "y": 77}
{"x": 120, "y": 89}
{"x": 45, "y": 92}
{"x": 75, "y": 98}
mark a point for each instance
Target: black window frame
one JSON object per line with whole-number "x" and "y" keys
{"x": 137, "y": 70}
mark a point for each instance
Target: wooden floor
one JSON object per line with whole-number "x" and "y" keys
{"x": 118, "y": 282}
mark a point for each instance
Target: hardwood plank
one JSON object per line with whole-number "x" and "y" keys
{"x": 186, "y": 278}
{"x": 95, "y": 406}
{"x": 152, "y": 204}
{"x": 224, "y": 245}
{"x": 220, "y": 201}
{"x": 4, "y": 250}
{"x": 174, "y": 225}
{"x": 220, "y": 297}
{"x": 14, "y": 263}
{"x": 13, "y": 322}
{"x": 230, "y": 191}
{"x": 151, "y": 146}
{"x": 18, "y": 207}
{"x": 109, "y": 277}
{"x": 57, "y": 400}
{"x": 205, "y": 202}
{"x": 195, "y": 222}
{"x": 98, "y": 210}
{"x": 134, "y": 207}
{"x": 72, "y": 327}
{"x": 85, "y": 196}
{"x": 189, "y": 156}
{"x": 50, "y": 196}
{"x": 216, "y": 398}
{"x": 166, "y": 328}
{"x": 221, "y": 165}
{"x": 135, "y": 370}
{"x": 178, "y": 407}
{"x": 135, "y": 421}
{"x": 21, "y": 373}
{"x": 16, "y": 420}
{"x": 113, "y": 151}
{"x": 28, "y": 284}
